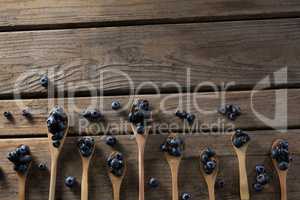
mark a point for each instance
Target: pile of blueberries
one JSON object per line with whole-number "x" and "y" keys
{"x": 92, "y": 115}
{"x": 57, "y": 123}
{"x": 209, "y": 164}
{"x": 281, "y": 154}
{"x": 139, "y": 115}
{"x": 86, "y": 146}
{"x": 240, "y": 138}
{"x": 116, "y": 164}
{"x": 190, "y": 118}
{"x": 262, "y": 178}
{"x": 230, "y": 111}
{"x": 21, "y": 158}
{"x": 174, "y": 146}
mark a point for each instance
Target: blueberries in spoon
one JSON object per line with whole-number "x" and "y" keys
{"x": 173, "y": 145}
{"x": 139, "y": 115}
{"x": 280, "y": 153}
{"x": 21, "y": 158}
{"x": 209, "y": 164}
{"x": 86, "y": 146}
{"x": 57, "y": 125}
{"x": 116, "y": 164}
{"x": 240, "y": 138}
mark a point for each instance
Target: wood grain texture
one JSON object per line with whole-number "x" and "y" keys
{"x": 203, "y": 105}
{"x": 190, "y": 178}
{"x": 238, "y": 54}
{"x": 13, "y": 12}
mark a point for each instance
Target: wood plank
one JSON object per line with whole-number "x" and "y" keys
{"x": 203, "y": 105}
{"x": 190, "y": 179}
{"x": 235, "y": 54}
{"x": 16, "y": 13}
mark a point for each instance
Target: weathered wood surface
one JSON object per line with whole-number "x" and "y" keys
{"x": 203, "y": 105}
{"x": 14, "y": 13}
{"x": 190, "y": 179}
{"x": 238, "y": 54}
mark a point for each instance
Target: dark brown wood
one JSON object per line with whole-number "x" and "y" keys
{"x": 14, "y": 13}
{"x": 238, "y": 54}
{"x": 164, "y": 108}
{"x": 190, "y": 178}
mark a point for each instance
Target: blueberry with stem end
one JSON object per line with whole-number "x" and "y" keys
{"x": 111, "y": 141}
{"x": 115, "y": 105}
{"x": 70, "y": 181}
{"x": 42, "y": 166}
{"x": 153, "y": 183}
{"x": 262, "y": 179}
{"x": 8, "y": 115}
{"x": 44, "y": 81}
{"x": 185, "y": 196}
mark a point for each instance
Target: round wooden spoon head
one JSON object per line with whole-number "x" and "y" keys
{"x": 173, "y": 160}
{"x": 275, "y": 164}
{"x": 116, "y": 179}
{"x": 212, "y": 176}
{"x": 54, "y": 150}
{"x": 87, "y": 158}
{"x": 242, "y": 149}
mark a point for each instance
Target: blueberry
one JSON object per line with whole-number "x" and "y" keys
{"x": 22, "y": 168}
{"x": 175, "y": 152}
{"x": 153, "y": 183}
{"x": 56, "y": 143}
{"x": 12, "y": 156}
{"x": 44, "y": 81}
{"x": 210, "y": 153}
{"x": 174, "y": 142}
{"x": 283, "y": 166}
{"x": 285, "y": 145}
{"x": 86, "y": 114}
{"x": 258, "y": 187}
{"x": 115, "y": 105}
{"x": 163, "y": 147}
{"x": 70, "y": 181}
{"x": 260, "y": 169}
{"x": 111, "y": 141}
{"x": 7, "y": 115}
{"x": 26, "y": 113}
{"x": 220, "y": 183}
{"x": 181, "y": 115}
{"x": 116, "y": 164}
{"x": 274, "y": 153}
{"x": 262, "y": 179}
{"x": 144, "y": 105}
{"x": 95, "y": 115}
{"x": 25, "y": 159}
{"x": 237, "y": 142}
{"x": 185, "y": 196}
{"x": 190, "y": 118}
{"x": 140, "y": 129}
{"x": 42, "y": 166}
{"x": 211, "y": 165}
{"x": 204, "y": 158}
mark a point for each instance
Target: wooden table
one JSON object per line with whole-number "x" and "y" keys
{"x": 92, "y": 48}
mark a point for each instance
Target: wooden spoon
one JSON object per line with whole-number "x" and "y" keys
{"x": 210, "y": 179}
{"x": 85, "y": 175}
{"x": 241, "y": 154}
{"x": 282, "y": 174}
{"x": 22, "y": 177}
{"x": 54, "y": 153}
{"x": 141, "y": 141}
{"x": 116, "y": 180}
{"x": 174, "y": 163}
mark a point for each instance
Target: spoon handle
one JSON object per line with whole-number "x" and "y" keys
{"x": 174, "y": 172}
{"x": 53, "y": 177}
{"x": 22, "y": 185}
{"x": 116, "y": 190}
{"x": 85, "y": 181}
{"x": 211, "y": 189}
{"x": 244, "y": 188}
{"x": 141, "y": 172}
{"x": 282, "y": 179}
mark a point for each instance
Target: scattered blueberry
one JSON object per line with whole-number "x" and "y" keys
{"x": 8, "y": 115}
{"x": 230, "y": 111}
{"x": 260, "y": 169}
{"x": 44, "y": 81}
{"x": 185, "y": 196}
{"x": 26, "y": 113}
{"x": 240, "y": 138}
{"x": 42, "y": 166}
{"x": 258, "y": 187}
{"x": 173, "y": 146}
{"x": 86, "y": 146}
{"x": 111, "y": 141}
{"x": 70, "y": 181}
{"x": 190, "y": 118}
{"x": 21, "y": 158}
{"x": 153, "y": 183}
{"x": 116, "y": 164}
{"x": 220, "y": 183}
{"x": 93, "y": 115}
{"x": 115, "y": 105}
